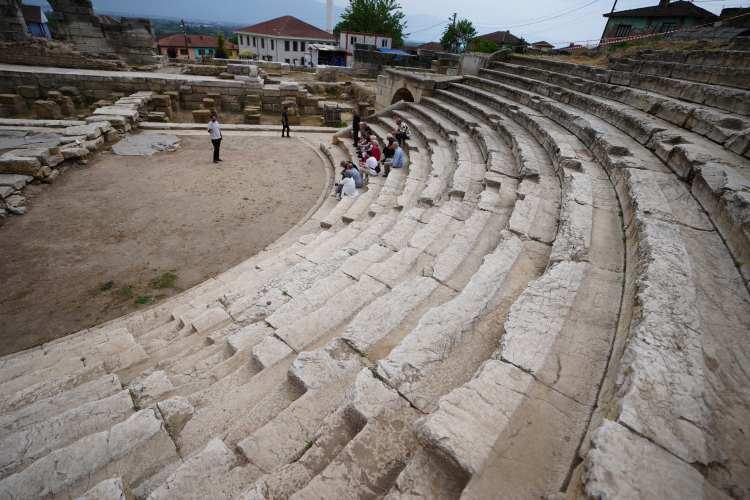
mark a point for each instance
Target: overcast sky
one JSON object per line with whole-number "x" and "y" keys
{"x": 557, "y": 21}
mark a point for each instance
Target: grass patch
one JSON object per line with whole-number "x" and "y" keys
{"x": 107, "y": 286}
{"x": 125, "y": 292}
{"x": 144, "y": 300}
{"x": 165, "y": 280}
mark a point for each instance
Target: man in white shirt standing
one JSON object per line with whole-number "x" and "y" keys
{"x": 214, "y": 130}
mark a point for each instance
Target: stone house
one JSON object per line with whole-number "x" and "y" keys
{"x": 667, "y": 16}
{"x": 502, "y": 39}
{"x": 348, "y": 40}
{"x": 284, "y": 39}
{"x": 542, "y": 45}
{"x": 193, "y": 47}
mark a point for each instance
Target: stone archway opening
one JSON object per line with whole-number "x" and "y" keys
{"x": 402, "y": 94}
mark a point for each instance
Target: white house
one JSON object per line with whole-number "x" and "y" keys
{"x": 349, "y": 39}
{"x": 284, "y": 39}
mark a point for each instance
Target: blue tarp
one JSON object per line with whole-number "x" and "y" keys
{"x": 396, "y": 52}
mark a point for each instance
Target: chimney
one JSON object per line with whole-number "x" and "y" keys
{"x": 663, "y": 4}
{"x": 329, "y": 16}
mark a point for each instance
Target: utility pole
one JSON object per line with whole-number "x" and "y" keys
{"x": 454, "y": 43}
{"x": 184, "y": 33}
{"x": 614, "y": 5}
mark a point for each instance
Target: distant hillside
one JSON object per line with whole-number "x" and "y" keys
{"x": 237, "y": 12}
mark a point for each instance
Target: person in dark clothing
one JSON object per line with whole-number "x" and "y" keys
{"x": 355, "y": 128}
{"x": 214, "y": 130}
{"x": 285, "y": 122}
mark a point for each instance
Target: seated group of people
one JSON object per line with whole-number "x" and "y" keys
{"x": 371, "y": 158}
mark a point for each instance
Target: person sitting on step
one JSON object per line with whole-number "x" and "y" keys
{"x": 398, "y": 160}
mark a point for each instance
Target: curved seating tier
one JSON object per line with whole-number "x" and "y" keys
{"x": 537, "y": 305}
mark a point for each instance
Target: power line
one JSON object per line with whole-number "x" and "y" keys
{"x": 542, "y": 19}
{"x": 428, "y": 28}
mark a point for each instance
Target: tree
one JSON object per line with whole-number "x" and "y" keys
{"x": 481, "y": 45}
{"x": 374, "y": 16}
{"x": 221, "y": 51}
{"x": 457, "y": 36}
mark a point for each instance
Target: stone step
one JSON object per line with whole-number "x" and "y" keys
{"x": 675, "y": 258}
{"x": 325, "y": 374}
{"x": 642, "y": 466}
{"x": 312, "y": 327}
{"x": 716, "y": 125}
{"x": 109, "y": 489}
{"x": 231, "y": 403}
{"x": 51, "y": 387}
{"x": 331, "y": 437}
{"x": 134, "y": 450}
{"x": 443, "y": 327}
{"x": 114, "y": 347}
{"x": 719, "y": 178}
{"x": 469, "y": 170}
{"x": 47, "y": 408}
{"x": 208, "y": 473}
{"x": 719, "y": 126}
{"x": 354, "y": 474}
{"x": 361, "y": 205}
{"x": 21, "y": 448}
{"x": 334, "y": 216}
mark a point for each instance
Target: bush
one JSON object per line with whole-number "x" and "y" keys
{"x": 247, "y": 54}
{"x": 480, "y": 45}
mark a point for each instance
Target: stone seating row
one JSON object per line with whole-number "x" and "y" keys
{"x": 675, "y": 239}
{"x": 730, "y": 68}
{"x": 727, "y": 128}
{"x": 718, "y": 178}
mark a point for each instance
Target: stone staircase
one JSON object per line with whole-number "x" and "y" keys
{"x": 551, "y": 300}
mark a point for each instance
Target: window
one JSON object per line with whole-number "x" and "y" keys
{"x": 286, "y": 47}
{"x": 254, "y": 42}
{"x": 262, "y": 43}
{"x": 272, "y": 44}
{"x": 200, "y": 52}
{"x": 286, "y": 61}
{"x": 294, "y": 46}
{"x": 302, "y": 46}
{"x": 183, "y": 52}
{"x": 384, "y": 43}
{"x": 353, "y": 40}
{"x": 622, "y": 30}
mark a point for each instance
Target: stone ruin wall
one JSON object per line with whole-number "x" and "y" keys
{"x": 12, "y": 24}
{"x": 94, "y": 42}
{"x": 132, "y": 39}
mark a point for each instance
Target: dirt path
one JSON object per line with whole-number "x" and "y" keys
{"x": 91, "y": 244}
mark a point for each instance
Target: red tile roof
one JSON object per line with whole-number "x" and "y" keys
{"x": 288, "y": 26}
{"x": 501, "y": 38}
{"x": 193, "y": 41}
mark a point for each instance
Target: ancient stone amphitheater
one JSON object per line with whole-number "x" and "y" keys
{"x": 551, "y": 301}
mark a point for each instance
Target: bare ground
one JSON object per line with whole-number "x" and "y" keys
{"x": 92, "y": 245}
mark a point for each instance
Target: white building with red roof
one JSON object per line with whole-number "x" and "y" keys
{"x": 284, "y": 39}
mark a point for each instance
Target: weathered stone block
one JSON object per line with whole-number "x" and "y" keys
{"x": 44, "y": 109}
{"x": 201, "y": 115}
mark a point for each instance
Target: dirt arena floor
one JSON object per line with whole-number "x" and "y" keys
{"x": 124, "y": 232}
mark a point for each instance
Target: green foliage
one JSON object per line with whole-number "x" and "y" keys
{"x": 247, "y": 54}
{"x": 374, "y": 16}
{"x": 457, "y": 37}
{"x": 126, "y": 292}
{"x": 165, "y": 280}
{"x": 143, "y": 300}
{"x": 220, "y": 52}
{"x": 480, "y": 45}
